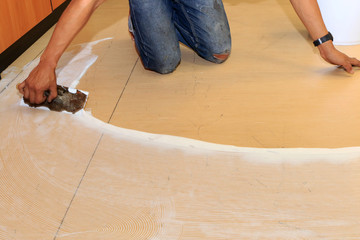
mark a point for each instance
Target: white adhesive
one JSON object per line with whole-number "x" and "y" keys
{"x": 71, "y": 73}
{"x": 72, "y": 90}
{"x": 71, "y": 68}
{"x": 254, "y": 155}
{"x": 8, "y": 75}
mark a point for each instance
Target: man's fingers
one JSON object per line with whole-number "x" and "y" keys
{"x": 20, "y": 87}
{"x": 40, "y": 97}
{"x": 36, "y": 96}
{"x": 355, "y": 62}
{"x": 26, "y": 93}
{"x": 348, "y": 67}
{"x": 32, "y": 96}
{"x": 53, "y": 93}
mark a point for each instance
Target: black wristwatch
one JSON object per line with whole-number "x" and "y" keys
{"x": 325, "y": 38}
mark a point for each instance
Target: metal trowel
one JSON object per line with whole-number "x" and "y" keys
{"x": 68, "y": 99}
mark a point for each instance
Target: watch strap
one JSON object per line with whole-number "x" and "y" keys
{"x": 323, "y": 39}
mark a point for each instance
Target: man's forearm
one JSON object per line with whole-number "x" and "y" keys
{"x": 71, "y": 22}
{"x": 310, "y": 15}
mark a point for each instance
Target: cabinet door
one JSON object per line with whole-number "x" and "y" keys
{"x": 17, "y": 17}
{"x": 56, "y": 3}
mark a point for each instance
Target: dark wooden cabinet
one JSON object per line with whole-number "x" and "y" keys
{"x": 57, "y": 3}
{"x": 22, "y": 22}
{"x": 17, "y": 17}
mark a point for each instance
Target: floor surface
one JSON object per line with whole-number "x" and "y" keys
{"x": 263, "y": 146}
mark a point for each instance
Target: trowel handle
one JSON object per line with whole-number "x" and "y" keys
{"x": 47, "y": 93}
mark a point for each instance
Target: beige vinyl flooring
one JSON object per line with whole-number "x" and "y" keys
{"x": 264, "y": 146}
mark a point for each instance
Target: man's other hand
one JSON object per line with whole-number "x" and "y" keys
{"x": 330, "y": 54}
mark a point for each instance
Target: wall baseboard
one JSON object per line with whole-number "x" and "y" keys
{"x": 22, "y": 44}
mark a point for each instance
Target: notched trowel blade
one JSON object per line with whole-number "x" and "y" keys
{"x": 70, "y": 100}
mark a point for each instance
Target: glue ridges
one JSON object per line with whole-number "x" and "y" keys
{"x": 123, "y": 221}
{"x": 22, "y": 189}
{"x": 137, "y": 225}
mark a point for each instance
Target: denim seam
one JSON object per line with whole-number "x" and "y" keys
{"x": 178, "y": 26}
{"x": 138, "y": 33}
{"x": 191, "y": 25}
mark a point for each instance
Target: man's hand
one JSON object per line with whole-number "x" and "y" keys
{"x": 330, "y": 54}
{"x": 41, "y": 79}
{"x": 310, "y": 15}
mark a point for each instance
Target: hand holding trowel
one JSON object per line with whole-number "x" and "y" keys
{"x": 66, "y": 99}
{"x": 40, "y": 88}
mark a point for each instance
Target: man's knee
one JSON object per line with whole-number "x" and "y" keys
{"x": 217, "y": 51}
{"x": 164, "y": 64}
{"x": 221, "y": 57}
{"x": 166, "y": 68}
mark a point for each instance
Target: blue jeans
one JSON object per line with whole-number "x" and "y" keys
{"x": 159, "y": 25}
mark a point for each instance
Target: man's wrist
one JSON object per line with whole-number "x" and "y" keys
{"x": 326, "y": 49}
{"x": 321, "y": 40}
{"x": 48, "y": 62}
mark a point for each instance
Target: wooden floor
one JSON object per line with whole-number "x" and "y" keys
{"x": 263, "y": 146}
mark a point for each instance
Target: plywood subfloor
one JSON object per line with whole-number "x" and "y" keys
{"x": 274, "y": 91}
{"x": 74, "y": 177}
